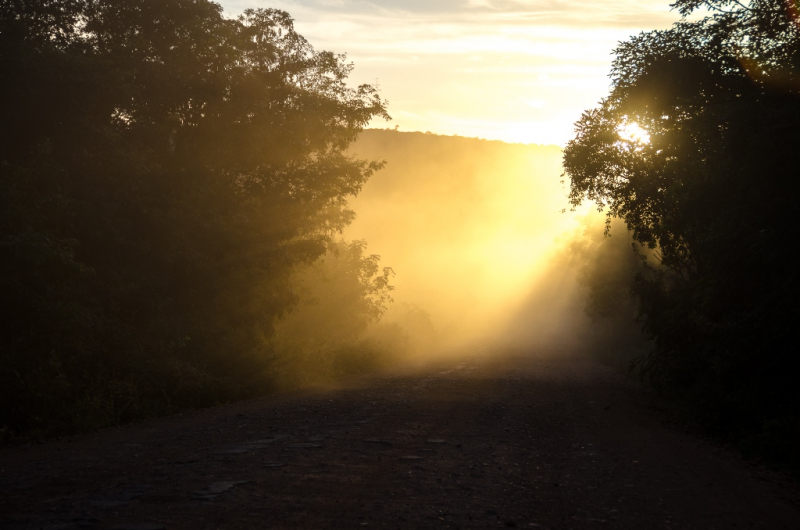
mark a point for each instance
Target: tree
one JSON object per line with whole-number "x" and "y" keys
{"x": 164, "y": 169}
{"x": 342, "y": 296}
{"x": 693, "y": 149}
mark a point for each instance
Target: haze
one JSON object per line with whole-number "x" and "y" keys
{"x": 469, "y": 226}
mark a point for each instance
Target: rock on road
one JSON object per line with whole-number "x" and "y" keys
{"x": 520, "y": 441}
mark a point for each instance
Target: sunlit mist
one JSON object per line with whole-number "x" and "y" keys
{"x": 468, "y": 225}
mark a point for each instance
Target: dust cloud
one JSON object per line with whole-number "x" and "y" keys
{"x": 478, "y": 237}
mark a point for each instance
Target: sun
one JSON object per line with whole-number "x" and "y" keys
{"x": 634, "y": 133}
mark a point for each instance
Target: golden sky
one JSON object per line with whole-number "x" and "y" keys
{"x": 512, "y": 70}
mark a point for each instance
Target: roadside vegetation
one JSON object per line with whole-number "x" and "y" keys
{"x": 695, "y": 150}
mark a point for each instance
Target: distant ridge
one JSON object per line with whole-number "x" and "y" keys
{"x": 382, "y": 131}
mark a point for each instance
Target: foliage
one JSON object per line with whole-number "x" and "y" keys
{"x": 606, "y": 269}
{"x": 163, "y": 171}
{"x": 712, "y": 193}
{"x": 331, "y": 331}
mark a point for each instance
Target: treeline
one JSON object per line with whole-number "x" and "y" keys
{"x": 695, "y": 150}
{"x": 166, "y": 174}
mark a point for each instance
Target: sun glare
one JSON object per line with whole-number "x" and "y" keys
{"x": 634, "y": 133}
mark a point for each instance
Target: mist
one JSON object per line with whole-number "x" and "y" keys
{"x": 478, "y": 234}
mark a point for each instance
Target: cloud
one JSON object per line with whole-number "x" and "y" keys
{"x": 625, "y": 13}
{"x": 472, "y": 67}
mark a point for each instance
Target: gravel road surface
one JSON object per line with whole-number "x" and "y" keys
{"x": 513, "y": 441}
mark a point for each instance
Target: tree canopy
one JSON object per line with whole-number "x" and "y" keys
{"x": 163, "y": 170}
{"x": 694, "y": 149}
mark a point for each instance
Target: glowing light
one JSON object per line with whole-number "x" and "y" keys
{"x": 468, "y": 226}
{"x": 634, "y": 133}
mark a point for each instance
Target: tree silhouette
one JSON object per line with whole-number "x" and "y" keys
{"x": 712, "y": 191}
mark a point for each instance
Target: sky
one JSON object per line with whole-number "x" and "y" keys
{"x": 512, "y": 70}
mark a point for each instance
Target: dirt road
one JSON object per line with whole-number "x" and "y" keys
{"x": 513, "y": 442}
